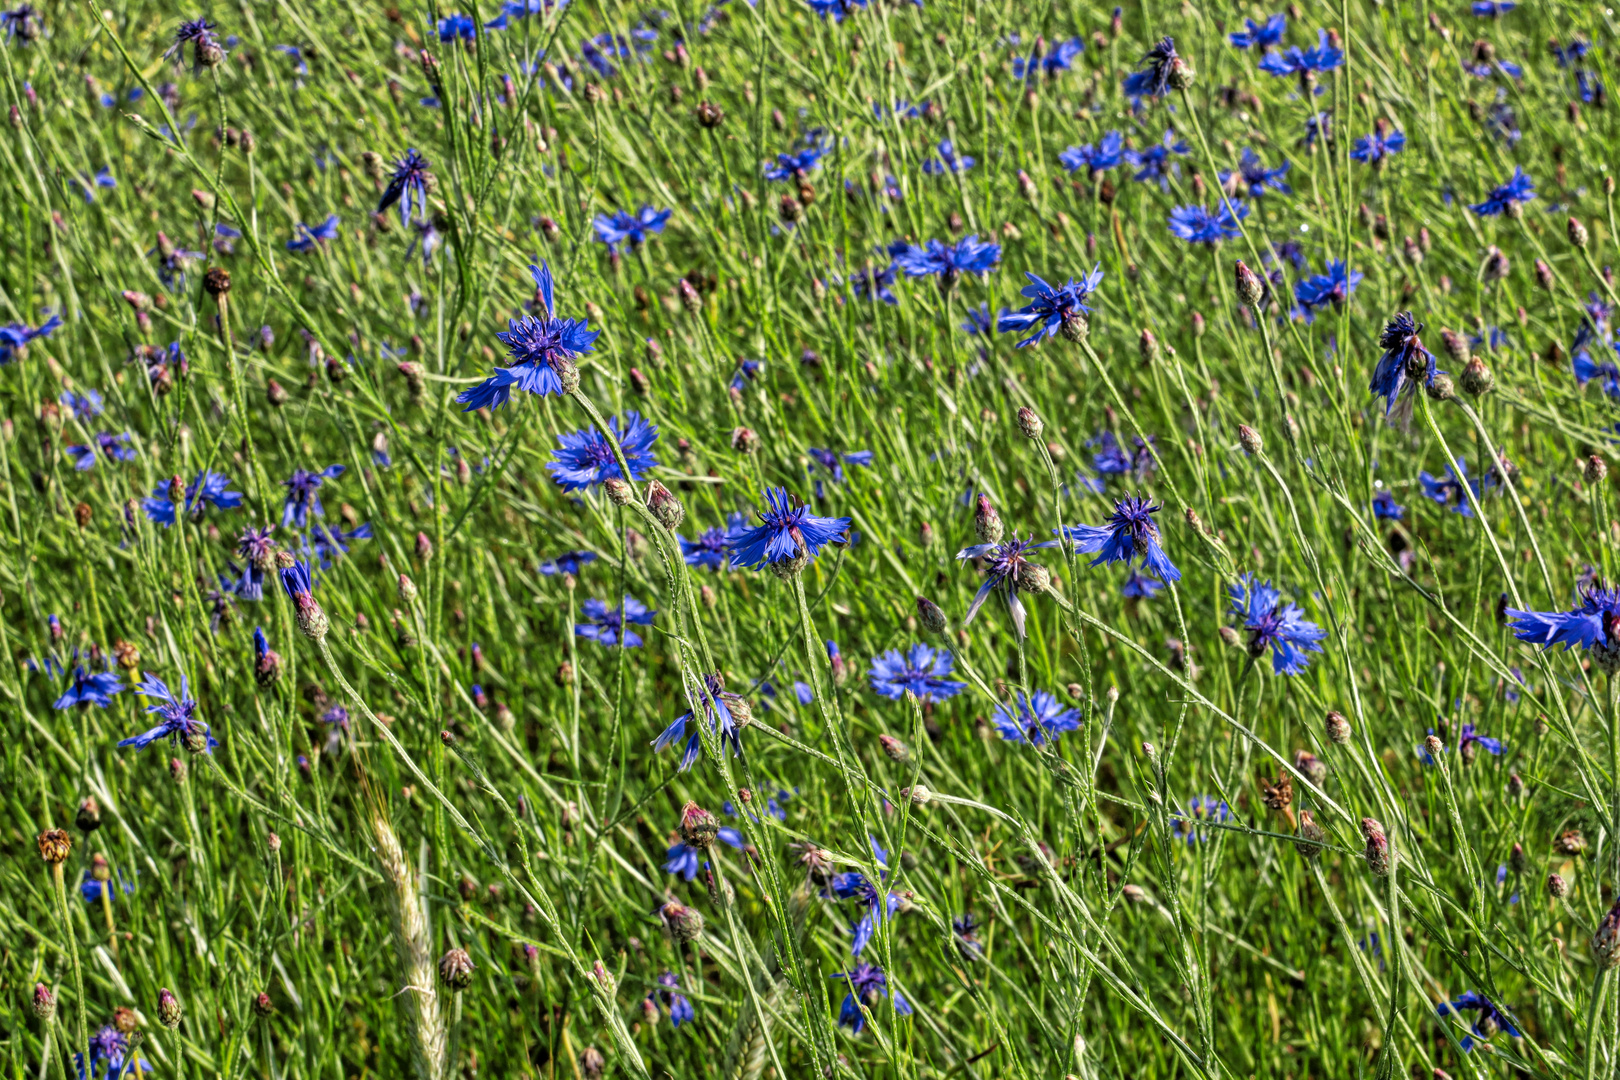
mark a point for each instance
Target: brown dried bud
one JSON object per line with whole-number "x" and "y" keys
{"x": 455, "y": 970}
{"x": 55, "y": 845}
{"x": 217, "y": 282}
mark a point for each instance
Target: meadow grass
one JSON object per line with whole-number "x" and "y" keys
{"x": 1144, "y": 668}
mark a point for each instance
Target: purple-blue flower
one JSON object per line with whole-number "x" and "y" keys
{"x": 310, "y": 235}
{"x": 1200, "y": 808}
{"x": 1259, "y": 35}
{"x": 14, "y": 337}
{"x": 1385, "y": 508}
{"x": 921, "y": 669}
{"x": 1059, "y": 58}
{"x": 611, "y": 626}
{"x": 867, "y": 986}
{"x": 683, "y": 861}
{"x": 1450, "y": 491}
{"x": 1140, "y": 586}
{"x": 108, "y": 1047}
{"x": 23, "y": 22}
{"x": 112, "y": 447}
{"x": 1257, "y": 178}
{"x": 1490, "y": 9}
{"x": 87, "y": 689}
{"x": 538, "y": 346}
{"x": 1491, "y": 1019}
{"x": 788, "y": 536}
{"x": 680, "y": 1006}
{"x": 1470, "y": 736}
{"x": 586, "y": 459}
{"x": 177, "y": 715}
{"x": 1276, "y": 624}
{"x": 1197, "y": 225}
{"x": 1129, "y": 534}
{"x": 948, "y": 161}
{"x": 457, "y": 27}
{"x": 1506, "y": 198}
{"x": 721, "y": 708}
{"x": 1050, "y": 309}
{"x": 871, "y": 283}
{"x": 1155, "y": 163}
{"x": 1405, "y": 364}
{"x": 569, "y": 562}
{"x": 712, "y": 547}
{"x": 1006, "y": 563}
{"x": 304, "y": 495}
{"x": 1586, "y": 369}
{"x": 622, "y": 228}
{"x": 1374, "y": 148}
{"x": 1304, "y": 63}
{"x": 1334, "y": 287}
{"x": 969, "y": 255}
{"x": 1159, "y": 65}
{"x": 799, "y": 163}
{"x": 1034, "y": 718}
{"x": 208, "y": 489}
{"x": 1595, "y": 625}
{"x": 1106, "y": 154}
{"x": 407, "y": 187}
{"x": 878, "y": 902}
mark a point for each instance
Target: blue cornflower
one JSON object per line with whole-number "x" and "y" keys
{"x": 108, "y": 1047}
{"x": 609, "y": 626}
{"x": 867, "y": 986}
{"x": 205, "y": 48}
{"x": 300, "y": 67}
{"x": 1385, "y": 508}
{"x": 407, "y": 187}
{"x": 1106, "y": 154}
{"x": 1490, "y": 9}
{"x": 979, "y": 320}
{"x": 88, "y": 689}
{"x": 680, "y": 1006}
{"x": 258, "y": 550}
{"x": 1034, "y": 719}
{"x": 542, "y": 350}
{"x": 14, "y": 337}
{"x": 1259, "y": 35}
{"x": 788, "y": 536}
{"x": 304, "y": 495}
{"x": 1576, "y": 50}
{"x": 586, "y": 459}
{"x": 328, "y": 543}
{"x": 1163, "y": 70}
{"x": 797, "y": 164}
{"x": 1405, "y": 365}
{"x": 1051, "y": 309}
{"x": 1006, "y": 565}
{"x": 22, "y": 22}
{"x": 177, "y": 714}
{"x": 1470, "y": 735}
{"x": 1491, "y": 1019}
{"x": 457, "y": 27}
{"x": 519, "y": 9}
{"x": 1306, "y": 64}
{"x": 569, "y": 562}
{"x": 1589, "y": 87}
{"x": 1257, "y": 178}
{"x": 879, "y": 903}
{"x": 1334, "y": 287}
{"x": 727, "y": 710}
{"x": 712, "y": 547}
{"x": 102, "y": 179}
{"x": 1449, "y": 492}
{"x": 1200, "y": 808}
{"x": 1140, "y": 586}
{"x": 948, "y": 161}
{"x": 921, "y": 669}
{"x": 1320, "y": 126}
{"x": 1061, "y": 58}
{"x": 95, "y": 891}
{"x": 1155, "y": 162}
{"x": 624, "y": 228}
{"x": 1595, "y": 625}
{"x": 1506, "y": 198}
{"x": 208, "y": 489}
{"x": 1276, "y": 624}
{"x": 308, "y": 236}
{"x": 112, "y": 447}
{"x": 969, "y": 255}
{"x": 1197, "y": 225}
{"x": 1129, "y": 534}
{"x": 834, "y": 464}
{"x": 1586, "y": 369}
{"x": 683, "y": 861}
{"x": 85, "y": 406}
{"x": 870, "y": 283}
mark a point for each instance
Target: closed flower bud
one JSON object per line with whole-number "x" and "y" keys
{"x": 263, "y": 1007}
{"x": 895, "y": 749}
{"x": 664, "y": 506}
{"x": 1606, "y": 939}
{"x": 88, "y": 819}
{"x": 603, "y": 977}
{"x": 217, "y": 282}
{"x": 1181, "y": 73}
{"x": 177, "y": 770}
{"x": 1250, "y": 439}
{"x": 1433, "y": 747}
{"x": 1250, "y": 289}
{"x": 406, "y": 590}
{"x": 591, "y": 1063}
{"x": 1557, "y": 887}
{"x": 267, "y": 669}
{"x": 169, "y": 1009}
{"x": 930, "y": 615}
{"x": 1476, "y": 378}
{"x": 456, "y": 970}
{"x": 1456, "y": 345}
{"x": 44, "y": 1002}
{"x": 1311, "y": 767}
{"x": 1515, "y": 785}
{"x": 1134, "y": 893}
{"x": 917, "y": 796}
{"x": 709, "y": 115}
{"x": 1577, "y": 233}
{"x": 1377, "y": 853}
{"x": 744, "y": 441}
{"x": 698, "y": 826}
{"x": 639, "y": 383}
{"x": 1595, "y": 470}
{"x": 1029, "y": 422}
{"x": 1414, "y": 254}
{"x": 1034, "y": 578}
{"x": 1440, "y": 388}
{"x": 1231, "y": 638}
{"x": 987, "y": 524}
{"x": 691, "y": 299}
{"x": 1544, "y": 274}
{"x": 619, "y": 493}
{"x": 55, "y": 845}
{"x": 1338, "y": 728}
{"x": 1516, "y": 859}
{"x": 683, "y": 924}
{"x": 273, "y": 842}
{"x": 1310, "y": 836}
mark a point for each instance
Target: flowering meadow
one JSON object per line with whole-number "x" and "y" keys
{"x": 809, "y": 538}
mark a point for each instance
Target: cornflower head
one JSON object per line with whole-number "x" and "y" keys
{"x": 1452, "y": 491}
{"x": 680, "y": 1006}
{"x": 1471, "y": 741}
{"x": 870, "y": 284}
{"x": 1593, "y": 626}
{"x": 328, "y": 543}
{"x": 1129, "y": 534}
{"x": 457, "y": 27}
{"x": 1007, "y": 566}
{"x": 788, "y": 536}
{"x": 408, "y": 186}
{"x": 207, "y": 489}
{"x": 1052, "y": 63}
{"x": 948, "y": 161}
{"x": 1200, "y": 808}
{"x": 1385, "y": 508}
{"x": 1491, "y": 9}
{"x": 95, "y": 890}
{"x": 14, "y": 337}
{"x": 969, "y": 255}
{"x": 1196, "y": 225}
{"x": 85, "y": 406}
{"x": 1107, "y": 153}
{"x": 87, "y": 689}
{"x": 867, "y": 986}
{"x": 112, "y": 447}
{"x": 22, "y": 22}
{"x": 1585, "y": 370}
{"x": 1036, "y": 718}
{"x": 1334, "y": 287}
{"x": 585, "y": 458}
{"x": 834, "y": 463}
{"x": 1255, "y": 178}
{"x": 1304, "y": 64}
{"x": 1051, "y": 309}
{"x": 1260, "y": 35}
{"x": 921, "y": 670}
{"x": 308, "y": 236}
{"x": 108, "y": 1050}
{"x": 542, "y": 349}
{"x": 727, "y": 711}
{"x": 610, "y": 627}
{"x": 1156, "y": 163}
{"x": 206, "y": 51}
{"x": 621, "y": 228}
{"x": 177, "y": 717}
{"x": 266, "y": 661}
{"x": 683, "y": 861}
{"x": 1162, "y": 70}
{"x": 1507, "y": 198}
{"x": 1405, "y": 364}
{"x": 712, "y": 547}
{"x": 879, "y": 903}
{"x": 304, "y": 495}
{"x": 1276, "y": 624}
{"x": 1491, "y": 1019}
{"x": 1373, "y": 149}
{"x": 569, "y": 562}
{"x": 799, "y": 163}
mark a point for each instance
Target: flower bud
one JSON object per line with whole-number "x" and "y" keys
{"x": 1231, "y": 638}
{"x": 917, "y": 796}
{"x": 1310, "y": 836}
{"x": 683, "y": 924}
{"x": 455, "y": 970}
{"x": 1034, "y": 578}
{"x": 424, "y": 547}
{"x": 1557, "y": 887}
{"x": 744, "y": 441}
{"x": 1249, "y": 438}
{"x": 1476, "y": 378}
{"x": 1517, "y": 860}
{"x": 1606, "y": 939}
{"x": 263, "y": 1007}
{"x": 619, "y": 493}
{"x": 88, "y": 819}
{"x": 44, "y": 1002}
{"x": 1029, "y": 422}
{"x": 1440, "y": 388}
{"x": 1250, "y": 289}
{"x": 709, "y": 115}
{"x": 217, "y": 282}
{"x": 1544, "y": 274}
{"x": 591, "y": 1063}
{"x": 698, "y": 826}
{"x": 1076, "y": 327}
{"x": 930, "y": 615}
{"x": 169, "y": 1009}
{"x": 1577, "y": 233}
{"x": 1377, "y": 853}
{"x": 1595, "y": 470}
{"x": 987, "y": 523}
{"x": 406, "y": 590}
{"x": 691, "y": 299}
{"x": 664, "y": 505}
{"x": 55, "y": 845}
{"x": 1338, "y": 728}
{"x": 896, "y": 750}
